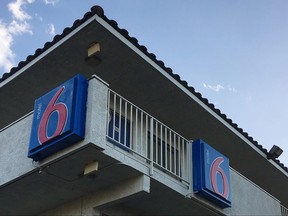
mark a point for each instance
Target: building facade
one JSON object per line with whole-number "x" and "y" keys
{"x": 104, "y": 128}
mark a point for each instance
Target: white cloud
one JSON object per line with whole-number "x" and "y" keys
{"x": 51, "y": 29}
{"x": 39, "y": 17}
{"x": 215, "y": 88}
{"x": 231, "y": 89}
{"x": 17, "y": 9}
{"x": 18, "y": 26}
{"x": 6, "y": 54}
{"x": 52, "y": 2}
{"x": 218, "y": 88}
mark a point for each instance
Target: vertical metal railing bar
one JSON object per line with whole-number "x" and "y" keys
{"x": 108, "y": 113}
{"x": 183, "y": 174}
{"x": 179, "y": 157}
{"x": 114, "y": 115}
{"x": 175, "y": 154}
{"x": 161, "y": 145}
{"x": 156, "y": 142}
{"x": 141, "y": 132}
{"x": 151, "y": 145}
{"x": 188, "y": 159}
{"x": 166, "y": 165}
{"x": 131, "y": 126}
{"x": 125, "y": 126}
{"x": 136, "y": 127}
{"x": 120, "y": 119}
{"x": 146, "y": 136}
{"x": 170, "y": 151}
{"x": 189, "y": 165}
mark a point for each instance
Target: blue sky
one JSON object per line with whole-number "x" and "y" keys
{"x": 235, "y": 53}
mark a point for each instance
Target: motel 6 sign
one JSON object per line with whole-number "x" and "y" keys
{"x": 211, "y": 176}
{"x": 59, "y": 118}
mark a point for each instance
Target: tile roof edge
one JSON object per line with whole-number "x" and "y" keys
{"x": 97, "y": 10}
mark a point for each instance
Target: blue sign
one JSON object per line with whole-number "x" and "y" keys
{"x": 59, "y": 118}
{"x": 211, "y": 174}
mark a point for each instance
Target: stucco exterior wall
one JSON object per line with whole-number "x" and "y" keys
{"x": 249, "y": 199}
{"x": 14, "y": 141}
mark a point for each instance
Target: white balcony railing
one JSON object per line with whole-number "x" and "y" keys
{"x": 284, "y": 211}
{"x": 137, "y": 132}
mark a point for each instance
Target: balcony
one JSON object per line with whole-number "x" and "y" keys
{"x": 140, "y": 134}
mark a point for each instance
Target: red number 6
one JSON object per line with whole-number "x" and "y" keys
{"x": 61, "y": 110}
{"x": 215, "y": 168}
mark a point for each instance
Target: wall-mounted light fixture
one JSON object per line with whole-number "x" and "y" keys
{"x": 91, "y": 168}
{"x": 274, "y": 152}
{"x": 93, "y": 57}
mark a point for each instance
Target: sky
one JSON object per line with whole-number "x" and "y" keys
{"x": 235, "y": 53}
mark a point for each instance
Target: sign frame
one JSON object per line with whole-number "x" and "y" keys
{"x": 59, "y": 118}
{"x": 211, "y": 174}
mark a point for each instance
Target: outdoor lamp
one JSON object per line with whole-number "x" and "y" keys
{"x": 274, "y": 152}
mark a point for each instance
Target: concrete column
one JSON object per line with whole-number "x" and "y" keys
{"x": 96, "y": 116}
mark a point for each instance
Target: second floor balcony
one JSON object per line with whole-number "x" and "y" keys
{"x": 139, "y": 133}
